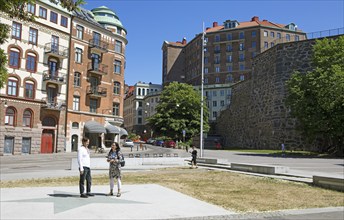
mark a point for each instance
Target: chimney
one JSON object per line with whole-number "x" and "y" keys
{"x": 214, "y": 24}
{"x": 184, "y": 41}
{"x": 265, "y": 20}
{"x": 255, "y": 18}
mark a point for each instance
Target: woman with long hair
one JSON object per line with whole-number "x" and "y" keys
{"x": 114, "y": 158}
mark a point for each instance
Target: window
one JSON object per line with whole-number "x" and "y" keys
{"x": 77, "y": 79}
{"x": 16, "y": 30}
{"x": 287, "y": 36}
{"x": 33, "y": 34}
{"x": 115, "y": 109}
{"x": 214, "y": 114}
{"x": 31, "y": 63}
{"x": 241, "y": 46}
{"x": 214, "y": 93}
{"x": 12, "y": 87}
{"x": 139, "y": 121}
{"x": 222, "y": 93}
{"x": 206, "y": 81}
{"x": 242, "y": 67}
{"x": 297, "y": 38}
{"x": 118, "y": 46}
{"x": 78, "y": 55}
{"x": 206, "y": 70}
{"x": 217, "y": 69}
{"x": 116, "y": 88}
{"x": 26, "y": 145}
{"x": 253, "y": 33}
{"x": 42, "y": 12}
{"x": 230, "y": 68}
{"x": 229, "y": 58}
{"x": 27, "y": 118}
{"x": 31, "y": 8}
{"x": 214, "y": 103}
{"x": 229, "y": 36}
{"x": 76, "y": 103}
{"x": 80, "y": 32}
{"x": 29, "y": 90}
{"x": 64, "y": 21}
{"x": 10, "y": 117}
{"x": 254, "y": 54}
{"x": 217, "y": 38}
{"x": 93, "y": 105}
{"x": 241, "y": 35}
{"x": 217, "y": 59}
{"x": 217, "y": 49}
{"x": 119, "y": 31}
{"x": 75, "y": 125}
{"x": 272, "y": 44}
{"x": 279, "y": 36}
{"x": 14, "y": 59}
{"x": 266, "y": 45}
{"x": 229, "y": 48}
{"x": 53, "y": 17}
{"x": 222, "y": 103}
{"x": 254, "y": 44}
{"x": 265, "y": 34}
{"x": 272, "y": 34}
{"x": 242, "y": 77}
{"x": 206, "y": 60}
{"x": 217, "y": 80}
{"x": 117, "y": 66}
{"x": 242, "y": 57}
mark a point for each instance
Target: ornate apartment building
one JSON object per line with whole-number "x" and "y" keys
{"x": 96, "y": 78}
{"x": 65, "y": 80}
{"x": 34, "y": 97}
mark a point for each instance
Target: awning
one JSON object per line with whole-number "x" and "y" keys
{"x": 123, "y": 132}
{"x": 94, "y": 127}
{"x": 112, "y": 129}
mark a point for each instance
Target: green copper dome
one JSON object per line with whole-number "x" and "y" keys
{"x": 105, "y": 16}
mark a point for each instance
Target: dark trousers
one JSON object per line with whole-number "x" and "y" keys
{"x": 86, "y": 175}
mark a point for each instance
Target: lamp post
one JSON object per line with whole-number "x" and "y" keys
{"x": 202, "y": 82}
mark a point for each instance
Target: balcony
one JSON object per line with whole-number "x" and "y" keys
{"x": 98, "y": 46}
{"x": 97, "y": 68}
{"x": 96, "y": 91}
{"x": 54, "y": 77}
{"x": 56, "y": 50}
{"x": 53, "y": 105}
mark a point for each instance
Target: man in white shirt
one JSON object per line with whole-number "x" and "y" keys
{"x": 84, "y": 161}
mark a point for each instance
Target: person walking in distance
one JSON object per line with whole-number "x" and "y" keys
{"x": 114, "y": 158}
{"x": 84, "y": 161}
{"x": 194, "y": 157}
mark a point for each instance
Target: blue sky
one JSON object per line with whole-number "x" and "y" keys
{"x": 150, "y": 23}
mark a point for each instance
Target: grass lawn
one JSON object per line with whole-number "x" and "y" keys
{"x": 279, "y": 153}
{"x": 238, "y": 192}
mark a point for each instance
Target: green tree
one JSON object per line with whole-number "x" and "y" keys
{"x": 17, "y": 9}
{"x": 316, "y": 98}
{"x": 179, "y": 109}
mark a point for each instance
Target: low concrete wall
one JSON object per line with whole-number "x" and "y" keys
{"x": 207, "y": 160}
{"x": 329, "y": 182}
{"x": 258, "y": 168}
{"x": 101, "y": 163}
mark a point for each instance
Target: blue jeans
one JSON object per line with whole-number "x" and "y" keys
{"x": 86, "y": 175}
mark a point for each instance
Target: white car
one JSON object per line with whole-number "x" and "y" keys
{"x": 128, "y": 143}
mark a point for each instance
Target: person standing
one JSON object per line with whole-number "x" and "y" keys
{"x": 84, "y": 161}
{"x": 114, "y": 158}
{"x": 194, "y": 157}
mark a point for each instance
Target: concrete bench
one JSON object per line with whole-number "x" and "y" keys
{"x": 329, "y": 182}
{"x": 207, "y": 160}
{"x": 258, "y": 168}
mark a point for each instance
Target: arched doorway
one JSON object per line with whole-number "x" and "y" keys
{"x": 48, "y": 135}
{"x": 75, "y": 144}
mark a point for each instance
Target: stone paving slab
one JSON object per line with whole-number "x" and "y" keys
{"x": 146, "y": 201}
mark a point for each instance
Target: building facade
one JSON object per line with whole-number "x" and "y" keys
{"x": 140, "y": 103}
{"x": 96, "y": 78}
{"x": 33, "y": 101}
{"x": 65, "y": 80}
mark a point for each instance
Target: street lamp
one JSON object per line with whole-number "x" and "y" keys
{"x": 202, "y": 82}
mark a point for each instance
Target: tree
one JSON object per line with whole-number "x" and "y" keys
{"x": 316, "y": 98}
{"x": 179, "y": 109}
{"x": 17, "y": 9}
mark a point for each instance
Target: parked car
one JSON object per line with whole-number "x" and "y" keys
{"x": 150, "y": 141}
{"x": 159, "y": 143}
{"x": 170, "y": 143}
{"x": 128, "y": 143}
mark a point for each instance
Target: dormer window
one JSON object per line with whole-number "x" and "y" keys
{"x": 231, "y": 24}
{"x": 291, "y": 27}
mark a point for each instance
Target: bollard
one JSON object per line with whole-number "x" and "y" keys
{"x": 137, "y": 146}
